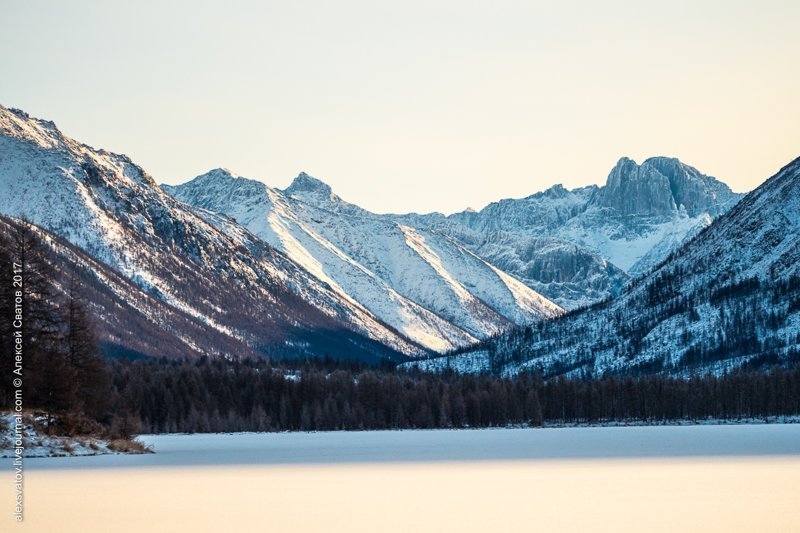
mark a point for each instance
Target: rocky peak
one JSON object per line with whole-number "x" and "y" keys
{"x": 317, "y": 193}
{"x": 662, "y": 185}
{"x": 304, "y": 184}
{"x": 218, "y": 178}
{"x": 217, "y": 188}
{"x": 17, "y": 124}
{"x": 217, "y": 174}
{"x": 637, "y": 189}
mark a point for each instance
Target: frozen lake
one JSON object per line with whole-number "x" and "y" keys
{"x": 450, "y": 445}
{"x": 667, "y": 478}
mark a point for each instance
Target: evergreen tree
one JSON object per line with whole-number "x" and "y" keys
{"x": 93, "y": 382}
{"x": 535, "y": 407}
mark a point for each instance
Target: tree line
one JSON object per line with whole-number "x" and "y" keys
{"x": 255, "y": 395}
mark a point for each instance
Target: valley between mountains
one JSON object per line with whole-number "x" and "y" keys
{"x": 662, "y": 269}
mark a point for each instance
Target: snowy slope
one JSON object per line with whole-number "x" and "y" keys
{"x": 424, "y": 284}
{"x": 729, "y": 297}
{"x": 230, "y": 281}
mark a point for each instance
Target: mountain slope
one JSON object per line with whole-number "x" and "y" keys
{"x": 231, "y": 281}
{"x": 128, "y": 321}
{"x": 730, "y": 297}
{"x": 424, "y": 284}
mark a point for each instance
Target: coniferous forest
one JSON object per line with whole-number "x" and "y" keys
{"x": 210, "y": 396}
{"x": 80, "y": 390}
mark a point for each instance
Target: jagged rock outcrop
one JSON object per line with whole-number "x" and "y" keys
{"x": 661, "y": 186}
{"x": 632, "y": 189}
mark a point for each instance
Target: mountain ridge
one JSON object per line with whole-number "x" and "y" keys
{"x": 573, "y": 246}
{"x": 398, "y": 272}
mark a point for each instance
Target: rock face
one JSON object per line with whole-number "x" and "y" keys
{"x": 661, "y": 186}
{"x": 728, "y": 298}
{"x": 129, "y": 321}
{"x": 636, "y": 190}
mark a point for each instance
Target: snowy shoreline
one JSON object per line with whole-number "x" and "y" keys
{"x": 36, "y": 444}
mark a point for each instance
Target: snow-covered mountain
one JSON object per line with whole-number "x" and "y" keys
{"x": 442, "y": 280}
{"x": 728, "y": 298}
{"x": 580, "y": 246}
{"x": 201, "y": 265}
{"x": 300, "y": 271}
{"x": 424, "y": 284}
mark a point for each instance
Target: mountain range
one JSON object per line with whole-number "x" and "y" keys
{"x": 228, "y": 266}
{"x": 583, "y": 245}
{"x": 574, "y": 247}
{"x": 728, "y": 298}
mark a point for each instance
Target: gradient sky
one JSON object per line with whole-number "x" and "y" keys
{"x": 414, "y": 105}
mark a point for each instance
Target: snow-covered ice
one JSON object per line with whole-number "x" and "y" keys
{"x": 523, "y": 444}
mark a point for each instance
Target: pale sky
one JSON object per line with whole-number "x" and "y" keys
{"x": 414, "y": 105}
